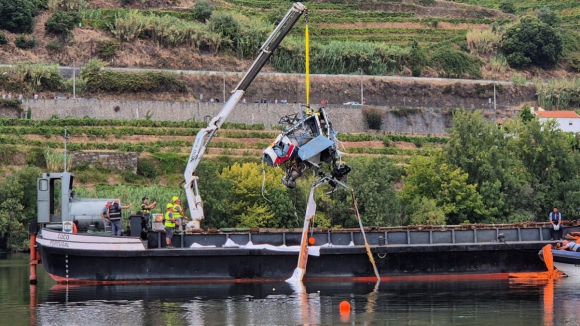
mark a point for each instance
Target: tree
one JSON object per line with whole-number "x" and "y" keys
{"x": 16, "y": 16}
{"x": 532, "y": 42}
{"x": 485, "y": 152}
{"x": 526, "y": 114}
{"x": 202, "y": 10}
{"x": 18, "y": 205}
{"x": 549, "y": 17}
{"x": 429, "y": 177}
{"x": 372, "y": 180}
{"x": 250, "y": 188}
{"x": 426, "y": 212}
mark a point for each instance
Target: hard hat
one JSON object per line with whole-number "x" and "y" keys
{"x": 174, "y": 199}
{"x": 169, "y": 205}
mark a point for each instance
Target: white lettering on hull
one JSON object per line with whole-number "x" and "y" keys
{"x": 61, "y": 244}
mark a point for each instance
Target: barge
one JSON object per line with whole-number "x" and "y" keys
{"x": 339, "y": 255}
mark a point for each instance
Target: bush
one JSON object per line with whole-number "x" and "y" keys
{"x": 107, "y": 49}
{"x": 483, "y": 41}
{"x": 202, "y": 10}
{"x": 3, "y": 39}
{"x": 147, "y": 169}
{"x": 546, "y": 15}
{"x": 373, "y": 117}
{"x": 451, "y": 63}
{"x": 532, "y": 42}
{"x": 62, "y": 23}
{"x": 40, "y": 77}
{"x": 518, "y": 80}
{"x": 507, "y": 7}
{"x": 22, "y": 42}
{"x": 110, "y": 81}
{"x": 417, "y": 59}
{"x": 54, "y": 46}
{"x": 16, "y": 15}
{"x": 225, "y": 25}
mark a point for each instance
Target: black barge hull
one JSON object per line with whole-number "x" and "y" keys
{"x": 232, "y": 264}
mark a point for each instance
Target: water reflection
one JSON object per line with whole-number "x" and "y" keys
{"x": 394, "y": 302}
{"x": 491, "y": 302}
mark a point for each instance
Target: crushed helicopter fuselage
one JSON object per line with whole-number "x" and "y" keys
{"x": 308, "y": 142}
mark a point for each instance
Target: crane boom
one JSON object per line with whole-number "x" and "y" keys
{"x": 205, "y": 135}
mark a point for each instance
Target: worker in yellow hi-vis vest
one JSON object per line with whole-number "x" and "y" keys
{"x": 178, "y": 213}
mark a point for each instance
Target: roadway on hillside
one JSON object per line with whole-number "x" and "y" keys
{"x": 67, "y": 72}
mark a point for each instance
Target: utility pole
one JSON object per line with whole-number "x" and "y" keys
{"x": 224, "y": 85}
{"x": 74, "y": 85}
{"x": 494, "y": 103}
{"x": 65, "y": 138}
{"x": 361, "y": 87}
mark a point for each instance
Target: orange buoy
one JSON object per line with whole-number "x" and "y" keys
{"x": 344, "y": 307}
{"x": 311, "y": 240}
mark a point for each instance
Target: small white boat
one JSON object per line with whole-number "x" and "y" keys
{"x": 566, "y": 261}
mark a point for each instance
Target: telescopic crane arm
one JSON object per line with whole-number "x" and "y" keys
{"x": 205, "y": 135}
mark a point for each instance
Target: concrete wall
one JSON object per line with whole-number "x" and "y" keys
{"x": 268, "y": 114}
{"x": 345, "y": 119}
{"x": 109, "y": 160}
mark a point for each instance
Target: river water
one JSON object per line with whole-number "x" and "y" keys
{"x": 488, "y": 301}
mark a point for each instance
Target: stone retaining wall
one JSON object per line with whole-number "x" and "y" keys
{"x": 109, "y": 160}
{"x": 346, "y": 119}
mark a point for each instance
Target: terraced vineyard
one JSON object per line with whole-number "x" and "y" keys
{"x": 391, "y": 21}
{"x": 25, "y": 141}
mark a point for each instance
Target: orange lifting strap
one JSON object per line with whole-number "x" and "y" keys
{"x": 551, "y": 274}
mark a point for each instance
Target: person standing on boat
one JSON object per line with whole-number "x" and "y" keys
{"x": 556, "y": 231}
{"x": 115, "y": 216}
{"x": 105, "y": 214}
{"x": 169, "y": 225}
{"x": 178, "y": 213}
{"x": 146, "y": 209}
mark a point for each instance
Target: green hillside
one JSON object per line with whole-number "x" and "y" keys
{"x": 383, "y": 37}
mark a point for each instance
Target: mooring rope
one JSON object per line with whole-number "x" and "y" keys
{"x": 368, "y": 248}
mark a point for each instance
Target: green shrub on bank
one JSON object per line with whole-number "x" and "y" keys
{"x": 16, "y": 16}
{"x": 451, "y": 63}
{"x": 3, "y": 38}
{"x": 532, "y": 42}
{"x": 23, "y": 42}
{"x": 107, "y": 49}
{"x": 373, "y": 118}
{"x": 98, "y": 80}
{"x": 202, "y": 10}
{"x": 54, "y": 46}
{"x": 31, "y": 77}
{"x": 62, "y": 23}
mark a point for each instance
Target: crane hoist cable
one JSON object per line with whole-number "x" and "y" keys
{"x": 307, "y": 54}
